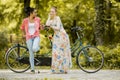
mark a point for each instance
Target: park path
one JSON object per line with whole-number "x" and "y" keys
{"x": 72, "y": 75}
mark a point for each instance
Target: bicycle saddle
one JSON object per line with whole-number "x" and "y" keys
{"x": 76, "y": 28}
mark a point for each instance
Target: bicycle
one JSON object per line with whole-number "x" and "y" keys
{"x": 17, "y": 57}
{"x": 89, "y": 58}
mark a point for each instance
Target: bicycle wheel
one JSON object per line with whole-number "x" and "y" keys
{"x": 90, "y": 59}
{"x": 17, "y": 59}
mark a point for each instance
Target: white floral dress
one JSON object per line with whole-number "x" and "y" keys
{"x": 61, "y": 53}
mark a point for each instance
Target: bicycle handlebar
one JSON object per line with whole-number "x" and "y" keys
{"x": 74, "y": 29}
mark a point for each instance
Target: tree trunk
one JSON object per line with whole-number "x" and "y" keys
{"x": 26, "y": 4}
{"x": 110, "y": 31}
{"x": 100, "y": 24}
{"x": 74, "y": 35}
{"x": 37, "y": 4}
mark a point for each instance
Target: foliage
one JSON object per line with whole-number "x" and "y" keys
{"x": 82, "y": 12}
{"x": 3, "y": 40}
{"x": 111, "y": 56}
{"x": 11, "y": 12}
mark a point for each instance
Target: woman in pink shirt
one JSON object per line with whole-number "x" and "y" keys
{"x": 31, "y": 28}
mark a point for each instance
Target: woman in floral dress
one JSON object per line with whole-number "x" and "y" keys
{"x": 61, "y": 53}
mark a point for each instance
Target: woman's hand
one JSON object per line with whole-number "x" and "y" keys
{"x": 46, "y": 27}
{"x": 50, "y": 37}
{"x": 41, "y": 27}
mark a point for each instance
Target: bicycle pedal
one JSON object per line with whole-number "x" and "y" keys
{"x": 38, "y": 63}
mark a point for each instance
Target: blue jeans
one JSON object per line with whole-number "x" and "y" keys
{"x": 33, "y": 46}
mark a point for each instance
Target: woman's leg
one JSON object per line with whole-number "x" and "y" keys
{"x": 31, "y": 58}
{"x": 66, "y": 64}
{"x": 36, "y": 44}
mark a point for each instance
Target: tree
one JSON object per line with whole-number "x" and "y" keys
{"x": 100, "y": 22}
{"x": 26, "y": 4}
{"x": 110, "y": 28}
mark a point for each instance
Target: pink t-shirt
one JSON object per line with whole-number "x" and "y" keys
{"x": 25, "y": 25}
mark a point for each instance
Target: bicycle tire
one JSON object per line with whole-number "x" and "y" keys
{"x": 15, "y": 61}
{"x": 90, "y": 59}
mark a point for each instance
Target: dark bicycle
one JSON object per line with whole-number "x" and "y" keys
{"x": 89, "y": 58}
{"x": 17, "y": 57}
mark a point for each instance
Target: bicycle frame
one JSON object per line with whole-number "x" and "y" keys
{"x": 76, "y": 46}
